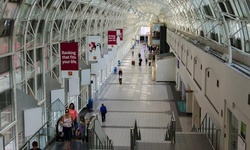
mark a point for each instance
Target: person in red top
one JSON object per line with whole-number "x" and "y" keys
{"x": 74, "y": 114}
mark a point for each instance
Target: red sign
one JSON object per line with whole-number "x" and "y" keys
{"x": 69, "y": 56}
{"x": 112, "y": 38}
{"x": 121, "y": 34}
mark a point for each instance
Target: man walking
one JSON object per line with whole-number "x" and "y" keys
{"x": 103, "y": 111}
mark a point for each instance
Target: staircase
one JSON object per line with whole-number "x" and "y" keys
{"x": 178, "y": 140}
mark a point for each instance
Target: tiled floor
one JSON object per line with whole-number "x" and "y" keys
{"x": 139, "y": 98}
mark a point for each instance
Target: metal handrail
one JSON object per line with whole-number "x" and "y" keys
{"x": 171, "y": 129}
{"x": 203, "y": 128}
{"x": 94, "y": 139}
{"x": 135, "y": 134}
{"x": 28, "y": 142}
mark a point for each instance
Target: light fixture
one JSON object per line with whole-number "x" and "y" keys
{"x": 134, "y": 11}
{"x": 130, "y": 10}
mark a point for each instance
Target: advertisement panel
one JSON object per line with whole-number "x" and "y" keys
{"x": 112, "y": 37}
{"x": 94, "y": 47}
{"x": 69, "y": 56}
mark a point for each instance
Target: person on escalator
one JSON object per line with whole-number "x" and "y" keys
{"x": 82, "y": 128}
{"x": 35, "y": 146}
{"x": 67, "y": 122}
{"x": 74, "y": 114}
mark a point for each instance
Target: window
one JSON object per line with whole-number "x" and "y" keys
{"x": 41, "y": 26}
{"x": 57, "y": 25}
{"x": 229, "y": 7}
{"x": 32, "y": 85}
{"x": 5, "y": 99}
{"x": 43, "y": 3}
{"x": 218, "y": 83}
{"x": 201, "y": 33}
{"x": 39, "y": 80}
{"x": 208, "y": 74}
{"x": 6, "y": 27}
{"x": 30, "y": 57}
{"x": 15, "y": 0}
{"x": 222, "y": 7}
{"x": 208, "y": 10}
{"x": 5, "y": 64}
{"x": 39, "y": 54}
{"x": 248, "y": 99}
{"x": 32, "y": 26}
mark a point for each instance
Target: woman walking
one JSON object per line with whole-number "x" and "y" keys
{"x": 74, "y": 114}
{"x": 67, "y": 123}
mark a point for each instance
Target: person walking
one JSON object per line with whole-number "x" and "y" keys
{"x": 67, "y": 122}
{"x": 87, "y": 121}
{"x": 120, "y": 75}
{"x": 73, "y": 113}
{"x": 140, "y": 60}
{"x": 103, "y": 111}
{"x": 35, "y": 146}
{"x": 82, "y": 128}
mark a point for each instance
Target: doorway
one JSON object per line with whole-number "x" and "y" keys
{"x": 233, "y": 131}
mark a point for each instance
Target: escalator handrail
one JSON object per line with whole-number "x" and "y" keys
{"x": 25, "y": 144}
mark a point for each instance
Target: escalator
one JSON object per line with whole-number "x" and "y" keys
{"x": 97, "y": 139}
{"x": 46, "y": 134}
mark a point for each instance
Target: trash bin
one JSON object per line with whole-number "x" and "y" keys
{"x": 115, "y": 70}
{"x": 90, "y": 105}
{"x": 119, "y": 62}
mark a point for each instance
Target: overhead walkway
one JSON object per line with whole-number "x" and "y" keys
{"x": 148, "y": 102}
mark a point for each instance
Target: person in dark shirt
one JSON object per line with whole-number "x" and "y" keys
{"x": 103, "y": 111}
{"x": 120, "y": 75}
{"x": 35, "y": 146}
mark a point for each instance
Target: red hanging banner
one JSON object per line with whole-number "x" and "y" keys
{"x": 112, "y": 37}
{"x": 69, "y": 56}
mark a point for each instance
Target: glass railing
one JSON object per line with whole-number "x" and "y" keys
{"x": 207, "y": 126}
{"x": 55, "y": 111}
{"x": 97, "y": 137}
{"x": 46, "y": 134}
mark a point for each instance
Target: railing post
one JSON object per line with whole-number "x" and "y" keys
{"x": 173, "y": 127}
{"x": 131, "y": 139}
{"x": 2, "y": 145}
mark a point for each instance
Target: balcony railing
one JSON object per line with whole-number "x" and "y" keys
{"x": 213, "y": 133}
{"x": 171, "y": 129}
{"x": 97, "y": 137}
